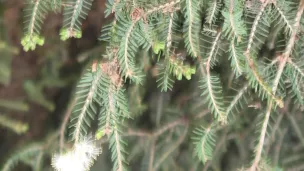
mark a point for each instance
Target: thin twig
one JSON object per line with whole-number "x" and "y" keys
{"x": 202, "y": 114}
{"x": 219, "y": 146}
{"x": 274, "y": 131}
{"x": 65, "y": 122}
{"x": 172, "y": 148}
{"x": 296, "y": 128}
{"x": 278, "y": 148}
{"x": 137, "y": 133}
{"x": 283, "y": 60}
{"x": 158, "y": 132}
{"x": 168, "y": 127}
{"x": 152, "y": 151}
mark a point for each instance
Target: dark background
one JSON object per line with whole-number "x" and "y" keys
{"x": 54, "y": 68}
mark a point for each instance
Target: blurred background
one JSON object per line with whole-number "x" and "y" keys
{"x": 36, "y": 87}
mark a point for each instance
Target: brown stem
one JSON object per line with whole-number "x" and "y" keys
{"x": 65, "y": 122}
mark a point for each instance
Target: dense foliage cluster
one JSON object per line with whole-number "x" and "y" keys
{"x": 231, "y": 55}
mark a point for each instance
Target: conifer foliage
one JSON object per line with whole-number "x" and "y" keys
{"x": 184, "y": 39}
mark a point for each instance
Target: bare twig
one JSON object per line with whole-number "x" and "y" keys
{"x": 296, "y": 128}
{"x": 158, "y": 132}
{"x": 65, "y": 122}
{"x": 278, "y": 148}
{"x": 172, "y": 148}
{"x": 152, "y": 151}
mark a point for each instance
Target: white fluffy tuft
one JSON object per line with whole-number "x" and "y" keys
{"x": 80, "y": 158}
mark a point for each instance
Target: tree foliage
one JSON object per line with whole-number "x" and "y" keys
{"x": 189, "y": 39}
